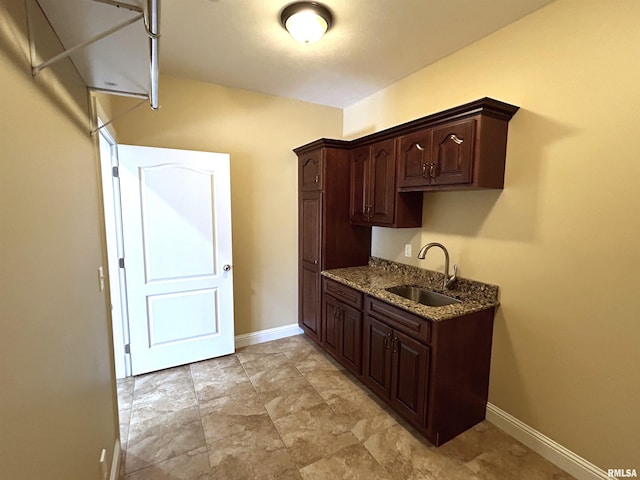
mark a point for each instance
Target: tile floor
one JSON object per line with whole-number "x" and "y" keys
{"x": 282, "y": 410}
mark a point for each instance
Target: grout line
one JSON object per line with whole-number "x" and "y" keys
{"x": 206, "y": 443}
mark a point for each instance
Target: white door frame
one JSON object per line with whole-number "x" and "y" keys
{"x": 115, "y": 249}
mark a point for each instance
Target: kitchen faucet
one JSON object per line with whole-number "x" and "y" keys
{"x": 448, "y": 280}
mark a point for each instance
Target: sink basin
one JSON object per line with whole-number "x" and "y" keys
{"x": 422, "y": 295}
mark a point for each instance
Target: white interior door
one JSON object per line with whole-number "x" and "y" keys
{"x": 176, "y": 219}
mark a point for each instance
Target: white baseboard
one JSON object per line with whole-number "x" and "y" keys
{"x": 267, "y": 335}
{"x": 544, "y": 446}
{"x": 115, "y": 462}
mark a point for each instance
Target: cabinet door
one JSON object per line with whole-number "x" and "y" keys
{"x": 452, "y": 152}
{"x": 414, "y": 159}
{"x": 410, "y": 370}
{"x": 310, "y": 165}
{"x": 309, "y": 247}
{"x": 359, "y": 186}
{"x": 382, "y": 181}
{"x": 351, "y": 338}
{"x": 310, "y": 227}
{"x": 377, "y": 360}
{"x": 331, "y": 325}
{"x": 309, "y": 306}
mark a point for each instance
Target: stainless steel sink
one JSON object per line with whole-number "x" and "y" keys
{"x": 423, "y": 296}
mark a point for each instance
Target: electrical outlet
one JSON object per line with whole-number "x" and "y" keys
{"x": 407, "y": 250}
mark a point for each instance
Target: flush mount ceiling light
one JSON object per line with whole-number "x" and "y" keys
{"x": 307, "y": 22}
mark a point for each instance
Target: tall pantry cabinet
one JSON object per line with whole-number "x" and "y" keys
{"x": 326, "y": 238}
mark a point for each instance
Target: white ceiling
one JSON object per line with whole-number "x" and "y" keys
{"x": 240, "y": 43}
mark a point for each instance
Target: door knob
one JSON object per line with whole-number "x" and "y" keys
{"x": 226, "y": 267}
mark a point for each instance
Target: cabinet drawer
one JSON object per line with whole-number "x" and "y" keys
{"x": 414, "y": 326}
{"x": 346, "y": 294}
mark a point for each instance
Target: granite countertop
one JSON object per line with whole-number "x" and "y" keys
{"x": 380, "y": 274}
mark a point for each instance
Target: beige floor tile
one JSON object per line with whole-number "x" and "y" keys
{"x": 160, "y": 393}
{"x": 294, "y": 343}
{"x": 209, "y": 371}
{"x": 370, "y": 416}
{"x": 146, "y": 385}
{"x": 407, "y": 457}
{"x": 227, "y": 416}
{"x": 300, "y": 348}
{"x": 290, "y": 396}
{"x": 190, "y": 466}
{"x": 479, "y": 439}
{"x": 267, "y": 347}
{"x": 254, "y": 362}
{"x": 516, "y": 462}
{"x": 314, "y": 433}
{"x": 332, "y": 383}
{"x": 216, "y": 378}
{"x": 160, "y": 438}
{"x": 313, "y": 361}
{"x": 256, "y": 453}
{"x": 273, "y": 380}
{"x": 350, "y": 463}
{"x": 125, "y": 392}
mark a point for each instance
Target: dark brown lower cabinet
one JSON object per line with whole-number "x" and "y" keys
{"x": 434, "y": 374}
{"x": 342, "y": 324}
{"x": 396, "y": 368}
{"x": 309, "y": 314}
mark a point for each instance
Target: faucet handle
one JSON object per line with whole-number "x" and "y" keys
{"x": 449, "y": 281}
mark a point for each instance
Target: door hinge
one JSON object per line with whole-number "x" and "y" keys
{"x": 127, "y": 348}
{"x": 116, "y": 172}
{"x": 121, "y": 262}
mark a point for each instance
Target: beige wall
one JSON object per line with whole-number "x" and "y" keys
{"x": 57, "y": 396}
{"x": 258, "y": 131}
{"x": 561, "y": 240}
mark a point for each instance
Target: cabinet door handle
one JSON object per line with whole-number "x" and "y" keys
{"x": 394, "y": 345}
{"x": 432, "y": 170}
{"x": 424, "y": 170}
{"x": 456, "y": 139}
{"x": 386, "y": 344}
{"x": 419, "y": 147}
{"x": 318, "y": 179}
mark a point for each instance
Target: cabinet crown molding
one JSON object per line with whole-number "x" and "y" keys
{"x": 486, "y": 106}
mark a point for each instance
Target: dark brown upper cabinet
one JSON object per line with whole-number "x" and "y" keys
{"x": 414, "y": 158}
{"x": 311, "y": 171}
{"x": 374, "y": 198}
{"x": 461, "y": 148}
{"x": 437, "y": 156}
{"x": 465, "y": 153}
{"x": 373, "y": 179}
{"x": 452, "y": 152}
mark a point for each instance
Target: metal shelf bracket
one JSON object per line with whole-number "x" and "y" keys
{"x": 38, "y": 68}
